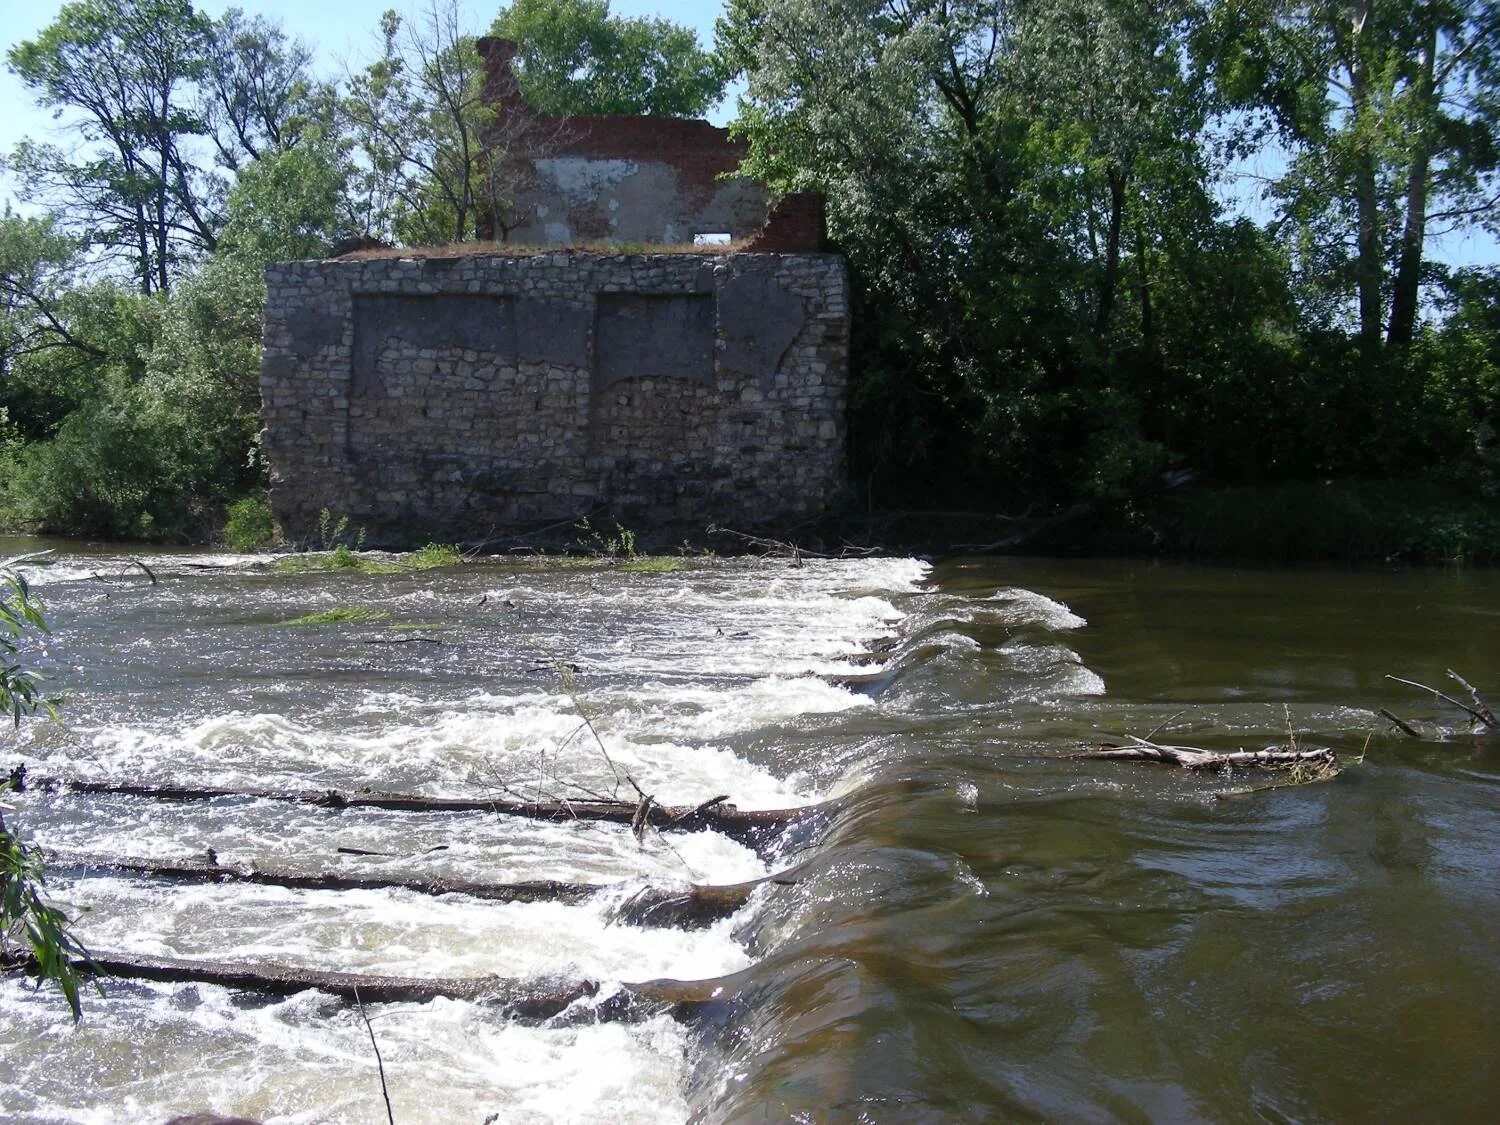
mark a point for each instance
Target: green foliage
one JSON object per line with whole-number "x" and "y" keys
{"x": 250, "y": 524}
{"x": 576, "y": 58}
{"x": 25, "y": 916}
{"x": 1374, "y": 521}
{"x": 20, "y": 621}
{"x": 618, "y": 544}
{"x": 341, "y": 615}
{"x": 434, "y": 556}
{"x": 1391, "y": 128}
{"x": 288, "y": 205}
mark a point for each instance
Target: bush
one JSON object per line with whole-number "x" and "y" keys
{"x": 250, "y": 524}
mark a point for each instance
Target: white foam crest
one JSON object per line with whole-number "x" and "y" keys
{"x": 1052, "y": 671}
{"x": 66, "y": 568}
{"x": 536, "y": 744}
{"x": 391, "y": 932}
{"x": 149, "y": 1052}
{"x": 1027, "y": 607}
{"x": 462, "y": 846}
{"x": 689, "y": 709}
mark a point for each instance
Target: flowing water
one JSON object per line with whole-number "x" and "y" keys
{"x": 990, "y": 928}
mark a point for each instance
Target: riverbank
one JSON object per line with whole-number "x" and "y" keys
{"x": 1348, "y": 521}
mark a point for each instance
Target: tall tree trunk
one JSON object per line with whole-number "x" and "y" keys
{"x": 1143, "y": 283}
{"x": 1369, "y": 269}
{"x": 1111, "y": 279}
{"x": 1407, "y": 287}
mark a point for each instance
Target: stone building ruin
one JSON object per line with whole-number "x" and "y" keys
{"x": 476, "y": 391}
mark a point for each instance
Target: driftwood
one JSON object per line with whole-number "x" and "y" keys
{"x": 1400, "y": 723}
{"x": 522, "y": 999}
{"x": 769, "y": 546}
{"x": 1480, "y": 712}
{"x": 650, "y": 906}
{"x": 1193, "y": 758}
{"x": 755, "y": 828}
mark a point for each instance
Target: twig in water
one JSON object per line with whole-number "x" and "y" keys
{"x": 147, "y": 569}
{"x": 1406, "y": 728}
{"x": 1192, "y": 757}
{"x": 1476, "y": 715}
{"x": 565, "y": 677}
{"x": 1163, "y": 725}
{"x": 385, "y": 1092}
{"x": 1479, "y": 704}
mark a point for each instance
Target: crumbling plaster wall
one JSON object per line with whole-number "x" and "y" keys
{"x": 627, "y": 179}
{"x": 453, "y": 397}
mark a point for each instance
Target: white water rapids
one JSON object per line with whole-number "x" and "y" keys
{"x": 686, "y": 676}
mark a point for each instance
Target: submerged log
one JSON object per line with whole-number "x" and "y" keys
{"x": 650, "y": 906}
{"x": 755, "y": 828}
{"x": 521, "y": 999}
{"x": 1193, "y": 758}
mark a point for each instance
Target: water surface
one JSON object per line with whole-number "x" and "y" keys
{"x": 991, "y": 928}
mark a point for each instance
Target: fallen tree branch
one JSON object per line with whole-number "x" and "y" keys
{"x": 755, "y": 828}
{"x": 1485, "y": 717}
{"x": 770, "y": 546}
{"x": 1193, "y": 758}
{"x": 1480, "y": 706}
{"x": 523, "y": 999}
{"x": 650, "y": 906}
{"x": 1405, "y": 727}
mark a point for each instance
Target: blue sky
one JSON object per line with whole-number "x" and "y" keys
{"x": 341, "y": 31}
{"x": 346, "y": 32}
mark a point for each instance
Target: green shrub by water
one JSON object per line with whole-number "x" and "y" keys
{"x": 250, "y": 524}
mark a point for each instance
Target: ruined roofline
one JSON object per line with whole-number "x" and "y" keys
{"x": 454, "y": 250}
{"x": 703, "y": 158}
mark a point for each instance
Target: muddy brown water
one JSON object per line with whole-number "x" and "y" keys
{"x": 990, "y": 930}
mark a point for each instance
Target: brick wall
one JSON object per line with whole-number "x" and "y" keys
{"x": 636, "y": 179}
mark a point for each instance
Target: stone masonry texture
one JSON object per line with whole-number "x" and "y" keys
{"x": 466, "y": 397}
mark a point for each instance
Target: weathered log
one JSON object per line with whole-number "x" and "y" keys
{"x": 1193, "y": 758}
{"x": 533, "y": 1000}
{"x": 755, "y": 828}
{"x": 650, "y": 906}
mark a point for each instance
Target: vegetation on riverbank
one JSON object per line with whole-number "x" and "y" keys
{"x": 1062, "y": 308}
{"x": 431, "y": 557}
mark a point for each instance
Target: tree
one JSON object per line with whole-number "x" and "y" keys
{"x": 1392, "y": 121}
{"x": 121, "y": 72}
{"x": 257, "y": 96}
{"x": 1120, "y": 124}
{"x": 158, "y": 94}
{"x": 576, "y": 58}
{"x": 37, "y": 264}
{"x": 418, "y": 118}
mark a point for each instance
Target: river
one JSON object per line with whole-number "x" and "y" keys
{"x": 990, "y": 928}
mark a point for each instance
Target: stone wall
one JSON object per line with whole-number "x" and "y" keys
{"x": 460, "y": 397}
